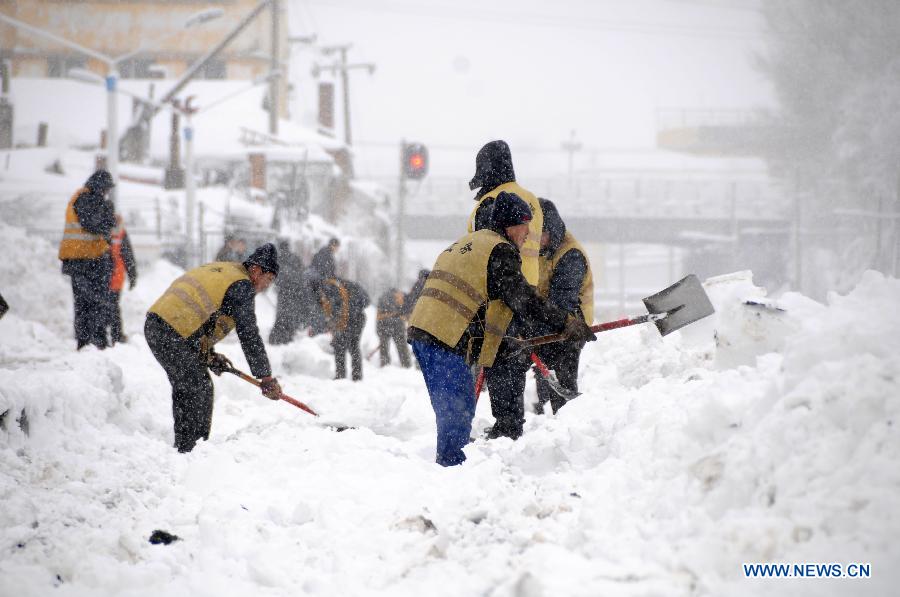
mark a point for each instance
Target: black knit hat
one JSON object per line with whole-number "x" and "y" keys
{"x": 266, "y": 257}
{"x": 100, "y": 181}
{"x": 509, "y": 210}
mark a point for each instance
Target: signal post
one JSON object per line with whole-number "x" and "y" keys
{"x": 413, "y": 166}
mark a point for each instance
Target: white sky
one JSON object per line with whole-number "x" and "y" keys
{"x": 457, "y": 73}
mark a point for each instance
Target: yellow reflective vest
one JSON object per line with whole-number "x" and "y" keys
{"x": 78, "y": 243}
{"x": 529, "y": 252}
{"x": 197, "y": 296}
{"x": 548, "y": 266}
{"x": 456, "y": 290}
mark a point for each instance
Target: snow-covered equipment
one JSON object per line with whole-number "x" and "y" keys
{"x": 682, "y": 303}
{"x": 549, "y": 376}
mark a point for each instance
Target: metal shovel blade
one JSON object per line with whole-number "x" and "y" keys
{"x": 683, "y": 302}
{"x": 560, "y": 389}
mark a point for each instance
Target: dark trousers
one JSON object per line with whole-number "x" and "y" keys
{"x": 90, "y": 290}
{"x": 505, "y": 380}
{"x": 192, "y": 388}
{"x": 452, "y": 392}
{"x": 345, "y": 341}
{"x": 114, "y": 317}
{"x": 392, "y": 330}
{"x": 561, "y": 357}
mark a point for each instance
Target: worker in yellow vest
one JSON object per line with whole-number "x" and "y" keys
{"x": 343, "y": 308}
{"x": 390, "y": 326}
{"x": 85, "y": 256}
{"x": 124, "y": 265}
{"x": 495, "y": 174}
{"x": 199, "y": 309}
{"x": 469, "y": 298}
{"x": 568, "y": 283}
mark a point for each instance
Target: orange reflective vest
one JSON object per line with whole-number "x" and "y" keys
{"x": 78, "y": 243}
{"x": 117, "y": 281}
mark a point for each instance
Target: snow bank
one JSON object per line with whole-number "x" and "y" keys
{"x": 761, "y": 435}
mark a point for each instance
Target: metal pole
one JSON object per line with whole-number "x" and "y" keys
{"x": 190, "y": 187}
{"x": 345, "y": 84}
{"x": 401, "y": 215}
{"x": 112, "y": 127}
{"x": 274, "y": 81}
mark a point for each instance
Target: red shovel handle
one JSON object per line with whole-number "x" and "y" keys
{"x": 283, "y": 396}
{"x": 540, "y": 365}
{"x": 298, "y": 404}
{"x": 479, "y": 383}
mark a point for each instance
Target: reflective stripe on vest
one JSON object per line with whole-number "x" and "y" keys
{"x": 530, "y": 250}
{"x": 456, "y": 290}
{"x": 586, "y": 292}
{"x": 196, "y": 297}
{"x": 78, "y": 243}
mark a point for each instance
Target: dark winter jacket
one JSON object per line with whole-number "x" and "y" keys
{"x": 505, "y": 282}
{"x": 290, "y": 275}
{"x": 333, "y": 293}
{"x": 389, "y": 307}
{"x": 567, "y": 277}
{"x": 323, "y": 263}
{"x": 413, "y": 295}
{"x": 97, "y": 216}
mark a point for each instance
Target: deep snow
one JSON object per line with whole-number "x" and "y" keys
{"x": 766, "y": 433}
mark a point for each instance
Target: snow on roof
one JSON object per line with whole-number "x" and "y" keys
{"x": 76, "y": 113}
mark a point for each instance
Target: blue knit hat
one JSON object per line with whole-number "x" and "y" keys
{"x": 509, "y": 210}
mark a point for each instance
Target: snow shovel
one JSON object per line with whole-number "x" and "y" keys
{"x": 682, "y": 303}
{"x": 479, "y": 383}
{"x": 284, "y": 397}
{"x": 550, "y": 377}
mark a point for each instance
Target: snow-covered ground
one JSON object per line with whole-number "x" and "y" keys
{"x": 762, "y": 434}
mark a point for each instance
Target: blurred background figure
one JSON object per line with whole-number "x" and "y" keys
{"x": 123, "y": 264}
{"x": 234, "y": 249}
{"x": 85, "y": 255}
{"x": 289, "y": 283}
{"x": 391, "y": 326}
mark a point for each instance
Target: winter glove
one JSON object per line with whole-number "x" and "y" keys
{"x": 270, "y": 388}
{"x": 218, "y": 363}
{"x": 577, "y": 330}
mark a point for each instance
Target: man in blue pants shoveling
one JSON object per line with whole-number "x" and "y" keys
{"x": 469, "y": 299}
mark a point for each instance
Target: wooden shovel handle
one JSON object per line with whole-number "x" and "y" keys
{"x": 283, "y": 396}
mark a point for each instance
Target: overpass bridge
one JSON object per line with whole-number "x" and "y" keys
{"x": 680, "y": 210}
{"x": 713, "y": 224}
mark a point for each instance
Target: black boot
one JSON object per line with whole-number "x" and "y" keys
{"x": 505, "y": 427}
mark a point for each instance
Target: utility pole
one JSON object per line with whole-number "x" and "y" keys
{"x": 342, "y": 67}
{"x": 401, "y": 215}
{"x": 274, "y": 68}
{"x": 571, "y": 146}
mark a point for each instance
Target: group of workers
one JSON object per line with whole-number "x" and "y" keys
{"x": 516, "y": 274}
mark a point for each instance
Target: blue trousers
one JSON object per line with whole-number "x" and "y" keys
{"x": 452, "y": 390}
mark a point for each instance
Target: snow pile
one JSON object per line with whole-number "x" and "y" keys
{"x": 760, "y": 435}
